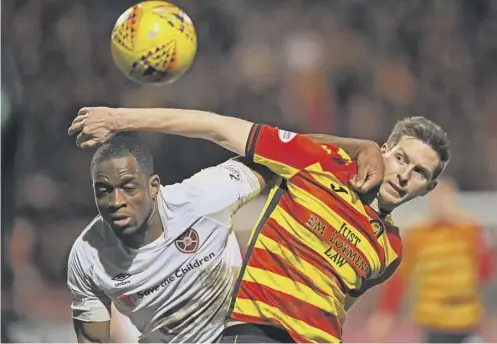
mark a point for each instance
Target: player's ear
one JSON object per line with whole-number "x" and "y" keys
{"x": 154, "y": 186}
{"x": 433, "y": 184}
{"x": 384, "y": 148}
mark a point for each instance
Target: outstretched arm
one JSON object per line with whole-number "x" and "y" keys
{"x": 96, "y": 125}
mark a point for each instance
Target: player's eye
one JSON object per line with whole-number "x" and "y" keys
{"x": 100, "y": 192}
{"x": 400, "y": 158}
{"x": 420, "y": 174}
{"x": 129, "y": 188}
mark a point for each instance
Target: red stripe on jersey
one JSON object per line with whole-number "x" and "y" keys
{"x": 299, "y": 152}
{"x": 293, "y": 307}
{"x": 265, "y": 260}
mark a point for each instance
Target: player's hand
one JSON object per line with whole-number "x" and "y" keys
{"x": 370, "y": 169}
{"x": 95, "y": 125}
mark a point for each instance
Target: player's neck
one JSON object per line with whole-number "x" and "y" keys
{"x": 375, "y": 205}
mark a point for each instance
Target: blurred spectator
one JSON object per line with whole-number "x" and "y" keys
{"x": 446, "y": 258}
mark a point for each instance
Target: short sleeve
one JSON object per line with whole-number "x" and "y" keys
{"x": 88, "y": 303}
{"x": 222, "y": 189}
{"x": 284, "y": 152}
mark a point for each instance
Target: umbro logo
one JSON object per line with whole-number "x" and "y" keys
{"x": 338, "y": 189}
{"x": 122, "y": 279}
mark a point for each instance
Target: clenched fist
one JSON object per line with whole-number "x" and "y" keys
{"x": 95, "y": 125}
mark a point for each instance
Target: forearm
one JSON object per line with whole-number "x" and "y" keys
{"x": 229, "y": 132}
{"x": 351, "y": 146}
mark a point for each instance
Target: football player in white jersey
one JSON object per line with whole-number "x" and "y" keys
{"x": 165, "y": 256}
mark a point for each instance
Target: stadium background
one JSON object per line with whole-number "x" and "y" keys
{"x": 346, "y": 67}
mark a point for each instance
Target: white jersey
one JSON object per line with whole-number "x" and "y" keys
{"x": 179, "y": 284}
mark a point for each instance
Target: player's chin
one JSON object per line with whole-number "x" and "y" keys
{"x": 128, "y": 229}
{"x": 388, "y": 200}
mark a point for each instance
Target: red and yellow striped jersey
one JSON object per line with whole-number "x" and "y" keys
{"x": 447, "y": 261}
{"x": 315, "y": 241}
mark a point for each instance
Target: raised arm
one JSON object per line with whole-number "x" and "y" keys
{"x": 97, "y": 124}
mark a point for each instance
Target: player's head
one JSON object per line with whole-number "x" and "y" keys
{"x": 124, "y": 184}
{"x": 415, "y": 155}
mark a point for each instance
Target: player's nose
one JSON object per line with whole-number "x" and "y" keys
{"x": 117, "y": 199}
{"x": 404, "y": 176}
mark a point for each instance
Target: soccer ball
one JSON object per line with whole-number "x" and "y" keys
{"x": 153, "y": 42}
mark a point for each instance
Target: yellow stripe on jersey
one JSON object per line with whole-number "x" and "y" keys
{"x": 292, "y": 288}
{"x": 255, "y": 308}
{"x": 279, "y": 168}
{"x": 328, "y": 286}
{"x": 447, "y": 264}
{"x": 390, "y": 253}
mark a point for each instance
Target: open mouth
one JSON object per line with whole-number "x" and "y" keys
{"x": 398, "y": 190}
{"x": 121, "y": 221}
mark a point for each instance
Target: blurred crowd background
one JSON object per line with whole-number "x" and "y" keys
{"x": 345, "y": 67}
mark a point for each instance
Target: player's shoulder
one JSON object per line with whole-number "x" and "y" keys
{"x": 95, "y": 237}
{"x": 390, "y": 226}
{"x": 211, "y": 189}
{"x": 391, "y": 236}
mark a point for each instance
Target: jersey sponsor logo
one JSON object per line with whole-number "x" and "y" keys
{"x": 342, "y": 243}
{"x": 378, "y": 227}
{"x": 286, "y": 136}
{"x": 122, "y": 278}
{"x": 188, "y": 242}
{"x": 182, "y": 271}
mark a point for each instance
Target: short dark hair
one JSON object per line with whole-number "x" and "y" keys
{"x": 124, "y": 145}
{"x": 426, "y": 131}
